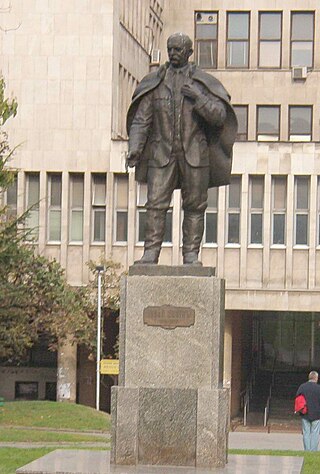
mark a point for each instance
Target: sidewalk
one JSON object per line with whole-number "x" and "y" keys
{"x": 264, "y": 440}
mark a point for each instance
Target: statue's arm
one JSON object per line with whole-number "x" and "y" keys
{"x": 141, "y": 124}
{"x": 210, "y": 107}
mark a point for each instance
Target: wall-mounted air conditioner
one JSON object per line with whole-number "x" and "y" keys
{"x": 299, "y": 73}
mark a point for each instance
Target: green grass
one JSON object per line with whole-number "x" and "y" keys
{"x": 33, "y": 436}
{"x": 311, "y": 460}
{"x": 53, "y": 415}
{"x": 13, "y": 458}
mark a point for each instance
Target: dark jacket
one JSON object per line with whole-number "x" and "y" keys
{"x": 311, "y": 392}
{"x": 203, "y": 142}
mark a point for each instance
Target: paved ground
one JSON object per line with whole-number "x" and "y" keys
{"x": 98, "y": 462}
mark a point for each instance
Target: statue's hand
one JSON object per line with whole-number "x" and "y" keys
{"x": 190, "y": 91}
{"x": 133, "y": 158}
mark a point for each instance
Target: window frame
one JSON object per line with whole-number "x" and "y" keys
{"x": 247, "y": 40}
{"x": 301, "y": 212}
{"x": 290, "y": 107}
{"x": 246, "y": 107}
{"x": 302, "y": 12}
{"x": 266, "y": 134}
{"x": 117, "y": 209}
{"x": 98, "y": 207}
{"x": 73, "y": 208}
{"x": 213, "y": 41}
{"x": 53, "y": 208}
{"x": 33, "y": 233}
{"x": 255, "y": 211}
{"x": 211, "y": 210}
{"x": 278, "y": 211}
{"x": 260, "y": 41}
{"x": 231, "y": 210}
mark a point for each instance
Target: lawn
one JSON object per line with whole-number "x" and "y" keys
{"x": 311, "y": 460}
{"x": 19, "y": 435}
{"x": 13, "y": 458}
{"x": 53, "y": 415}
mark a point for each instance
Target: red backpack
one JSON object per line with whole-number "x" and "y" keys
{"x": 300, "y": 405}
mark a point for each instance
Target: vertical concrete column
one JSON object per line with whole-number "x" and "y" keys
{"x": 67, "y": 372}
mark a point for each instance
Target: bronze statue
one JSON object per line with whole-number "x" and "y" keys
{"x": 181, "y": 129}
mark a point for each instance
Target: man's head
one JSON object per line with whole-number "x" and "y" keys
{"x": 313, "y": 376}
{"x": 179, "y": 48}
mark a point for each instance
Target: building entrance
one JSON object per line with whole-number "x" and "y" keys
{"x": 287, "y": 341}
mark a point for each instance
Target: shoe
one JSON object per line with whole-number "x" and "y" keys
{"x": 191, "y": 258}
{"x": 150, "y": 257}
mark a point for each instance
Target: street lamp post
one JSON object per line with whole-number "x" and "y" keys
{"x": 100, "y": 270}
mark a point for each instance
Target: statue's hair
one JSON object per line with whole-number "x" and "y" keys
{"x": 187, "y": 42}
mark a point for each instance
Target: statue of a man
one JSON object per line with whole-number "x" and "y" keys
{"x": 181, "y": 130}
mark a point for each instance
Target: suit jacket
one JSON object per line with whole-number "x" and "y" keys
{"x": 207, "y": 139}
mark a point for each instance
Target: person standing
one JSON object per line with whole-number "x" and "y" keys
{"x": 311, "y": 420}
{"x": 181, "y": 129}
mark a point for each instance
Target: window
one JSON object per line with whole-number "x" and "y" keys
{"x": 300, "y": 123}
{"x": 279, "y": 208}
{"x": 121, "y": 208}
{"x": 12, "y": 198}
{"x": 76, "y": 207}
{"x": 32, "y": 203}
{"x": 206, "y": 39}
{"x": 233, "y": 210}
{"x": 301, "y": 210}
{"x": 268, "y": 123}
{"x": 238, "y": 40}
{"x": 26, "y": 391}
{"x": 302, "y": 37}
{"x": 270, "y": 26}
{"x": 256, "y": 209}
{"x": 242, "y": 116}
{"x": 141, "y": 217}
{"x": 99, "y": 207}
{"x": 54, "y": 207}
{"x": 211, "y": 217}
{"x": 318, "y": 209}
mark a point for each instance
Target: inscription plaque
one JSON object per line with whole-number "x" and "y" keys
{"x": 169, "y": 317}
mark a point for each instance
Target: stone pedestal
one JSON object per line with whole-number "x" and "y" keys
{"x": 170, "y": 407}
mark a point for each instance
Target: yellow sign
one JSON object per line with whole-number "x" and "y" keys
{"x": 109, "y": 366}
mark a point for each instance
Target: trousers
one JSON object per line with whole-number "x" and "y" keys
{"x": 310, "y": 432}
{"x": 194, "y": 191}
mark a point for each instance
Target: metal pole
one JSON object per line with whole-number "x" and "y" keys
{"x": 98, "y": 341}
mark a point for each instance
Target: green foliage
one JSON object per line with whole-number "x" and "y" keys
{"x": 8, "y": 107}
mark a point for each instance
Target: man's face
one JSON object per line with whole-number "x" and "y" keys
{"x": 177, "y": 51}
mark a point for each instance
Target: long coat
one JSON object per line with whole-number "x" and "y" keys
{"x": 203, "y": 142}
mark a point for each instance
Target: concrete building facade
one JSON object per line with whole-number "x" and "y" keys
{"x": 73, "y": 67}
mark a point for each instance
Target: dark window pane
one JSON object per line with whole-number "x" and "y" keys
{"x": 238, "y": 54}
{"x": 142, "y": 226}
{"x": 213, "y": 197}
{"x": 270, "y": 26}
{"x": 257, "y": 187}
{"x": 278, "y": 229}
{"x": 26, "y": 390}
{"x": 242, "y": 116}
{"x": 99, "y": 225}
{"x": 233, "y": 228}
{"x": 234, "y": 192}
{"x": 206, "y": 31}
{"x": 168, "y": 231}
{"x": 300, "y": 120}
{"x": 55, "y": 198}
{"x": 268, "y": 120}
{"x": 238, "y": 26}
{"x": 302, "y": 54}
{"x": 302, "y": 193}
{"x": 301, "y": 229}
{"x": 122, "y": 226}
{"x": 211, "y": 227}
{"x": 256, "y": 228}
{"x": 207, "y": 54}
{"x": 302, "y": 26}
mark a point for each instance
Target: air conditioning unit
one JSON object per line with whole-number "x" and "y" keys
{"x": 299, "y": 73}
{"x": 206, "y": 18}
{"x": 155, "y": 57}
